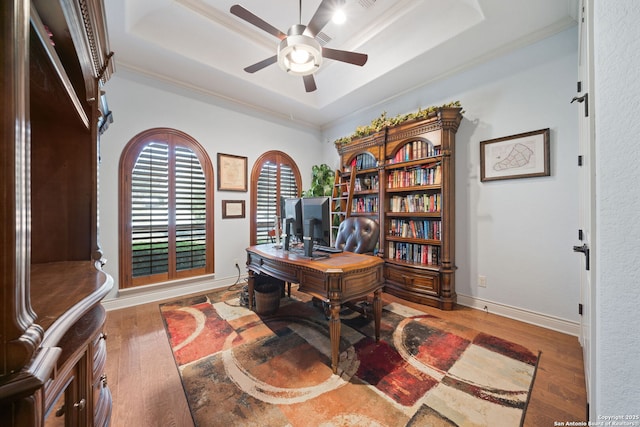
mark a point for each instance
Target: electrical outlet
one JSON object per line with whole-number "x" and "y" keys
{"x": 482, "y": 281}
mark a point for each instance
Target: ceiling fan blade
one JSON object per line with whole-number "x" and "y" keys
{"x": 354, "y": 58}
{"x": 322, "y": 16}
{"x": 260, "y": 65}
{"x": 309, "y": 83}
{"x": 243, "y": 13}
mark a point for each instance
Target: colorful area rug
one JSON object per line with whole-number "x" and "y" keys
{"x": 241, "y": 369}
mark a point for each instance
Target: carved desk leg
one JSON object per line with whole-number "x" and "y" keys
{"x": 334, "y": 333}
{"x": 250, "y": 284}
{"x": 377, "y": 311}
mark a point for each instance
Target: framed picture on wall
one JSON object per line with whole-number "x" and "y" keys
{"x": 232, "y": 172}
{"x": 524, "y": 155}
{"x": 232, "y": 209}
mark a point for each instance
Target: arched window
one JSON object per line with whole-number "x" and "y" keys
{"x": 274, "y": 175}
{"x": 166, "y": 208}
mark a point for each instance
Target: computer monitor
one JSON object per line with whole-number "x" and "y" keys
{"x": 316, "y": 222}
{"x": 291, "y": 211}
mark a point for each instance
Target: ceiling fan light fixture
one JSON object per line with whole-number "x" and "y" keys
{"x": 339, "y": 17}
{"x": 298, "y": 54}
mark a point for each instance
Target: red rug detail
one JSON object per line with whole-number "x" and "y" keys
{"x": 382, "y": 367}
{"x": 441, "y": 349}
{"x": 180, "y": 325}
{"x": 507, "y": 348}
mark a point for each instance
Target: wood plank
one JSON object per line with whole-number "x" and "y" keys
{"x": 142, "y": 374}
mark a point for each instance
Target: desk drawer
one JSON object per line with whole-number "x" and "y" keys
{"x": 278, "y": 270}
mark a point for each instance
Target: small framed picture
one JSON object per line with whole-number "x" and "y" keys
{"x": 232, "y": 209}
{"x": 232, "y": 172}
{"x": 523, "y": 155}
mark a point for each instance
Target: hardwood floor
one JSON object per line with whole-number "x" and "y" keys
{"x": 147, "y": 391}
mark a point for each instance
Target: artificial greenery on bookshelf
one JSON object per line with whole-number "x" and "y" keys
{"x": 383, "y": 121}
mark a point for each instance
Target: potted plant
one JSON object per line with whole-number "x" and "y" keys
{"x": 322, "y": 180}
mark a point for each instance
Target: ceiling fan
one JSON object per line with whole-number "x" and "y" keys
{"x": 299, "y": 52}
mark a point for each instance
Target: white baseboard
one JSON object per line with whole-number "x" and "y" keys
{"x": 538, "y": 319}
{"x": 145, "y": 294}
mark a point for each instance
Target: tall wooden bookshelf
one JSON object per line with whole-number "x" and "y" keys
{"x": 415, "y": 196}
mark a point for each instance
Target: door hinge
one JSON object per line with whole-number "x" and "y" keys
{"x": 580, "y": 309}
{"x": 580, "y": 234}
{"x": 580, "y": 160}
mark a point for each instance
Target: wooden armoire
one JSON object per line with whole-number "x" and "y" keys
{"x": 55, "y": 60}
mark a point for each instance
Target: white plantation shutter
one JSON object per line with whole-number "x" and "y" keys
{"x": 266, "y": 202}
{"x": 150, "y": 211}
{"x": 190, "y": 211}
{"x": 167, "y": 230}
{"x": 275, "y": 180}
{"x": 288, "y": 187}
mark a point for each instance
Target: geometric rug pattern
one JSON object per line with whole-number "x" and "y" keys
{"x": 242, "y": 369}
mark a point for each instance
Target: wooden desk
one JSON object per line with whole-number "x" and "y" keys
{"x": 337, "y": 279}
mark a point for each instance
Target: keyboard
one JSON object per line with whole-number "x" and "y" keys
{"x": 329, "y": 249}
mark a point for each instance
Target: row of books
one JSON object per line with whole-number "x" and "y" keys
{"x": 419, "y": 229}
{"x": 415, "y": 176}
{"x": 416, "y": 203}
{"x": 415, "y": 150}
{"x": 422, "y": 254}
{"x": 364, "y": 161}
{"x": 364, "y": 205}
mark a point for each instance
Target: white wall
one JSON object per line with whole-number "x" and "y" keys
{"x": 138, "y": 106}
{"x": 518, "y": 233}
{"x": 617, "y": 257}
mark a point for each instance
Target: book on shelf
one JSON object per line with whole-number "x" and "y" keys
{"x": 365, "y": 205}
{"x": 364, "y": 161}
{"x": 437, "y": 175}
{"x": 413, "y": 229}
{"x": 416, "y": 176}
{"x": 415, "y": 150}
{"x": 413, "y": 252}
{"x": 416, "y": 203}
{"x": 417, "y": 229}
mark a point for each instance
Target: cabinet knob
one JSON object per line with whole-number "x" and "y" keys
{"x": 80, "y": 405}
{"x": 103, "y": 378}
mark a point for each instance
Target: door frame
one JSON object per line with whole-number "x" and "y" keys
{"x": 587, "y": 184}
